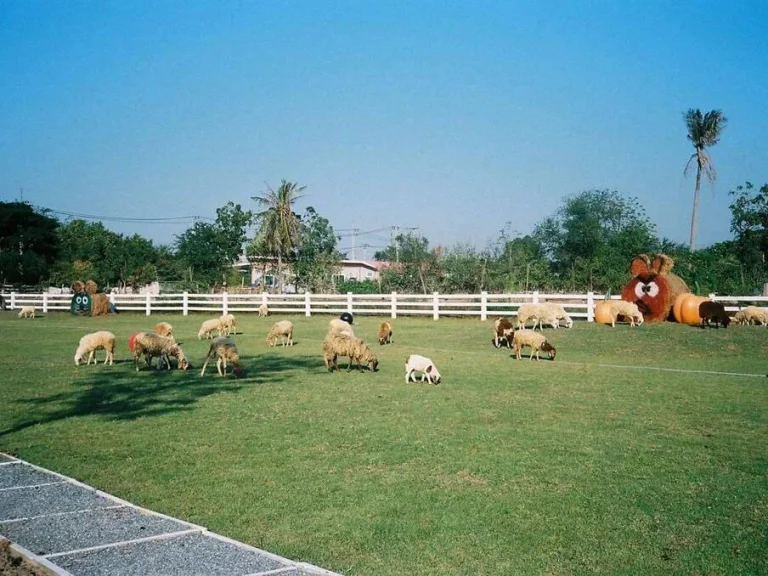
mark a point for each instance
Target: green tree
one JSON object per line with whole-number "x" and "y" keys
{"x": 703, "y": 132}
{"x": 28, "y": 243}
{"x": 416, "y": 267}
{"x": 749, "y": 224}
{"x": 317, "y": 258}
{"x": 465, "y": 270}
{"x": 519, "y": 265}
{"x": 279, "y": 227}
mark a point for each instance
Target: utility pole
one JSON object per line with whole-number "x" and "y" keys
{"x": 354, "y": 242}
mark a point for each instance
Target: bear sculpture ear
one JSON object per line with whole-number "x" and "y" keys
{"x": 662, "y": 264}
{"x": 640, "y": 265}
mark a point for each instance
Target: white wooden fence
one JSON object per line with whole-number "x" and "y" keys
{"x": 483, "y": 305}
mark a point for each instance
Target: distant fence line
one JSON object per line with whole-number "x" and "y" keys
{"x": 437, "y": 305}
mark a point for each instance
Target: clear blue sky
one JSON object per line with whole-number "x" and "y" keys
{"x": 451, "y": 116}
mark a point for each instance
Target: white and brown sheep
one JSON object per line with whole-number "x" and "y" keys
{"x": 225, "y": 351}
{"x": 385, "y": 333}
{"x": 283, "y": 330}
{"x": 228, "y": 324}
{"x": 163, "y": 329}
{"x": 339, "y": 326}
{"x": 750, "y": 314}
{"x": 537, "y": 342}
{"x": 89, "y": 343}
{"x": 263, "y": 310}
{"x": 713, "y": 311}
{"x": 27, "y": 312}
{"x": 150, "y": 345}
{"x": 629, "y": 310}
{"x": 416, "y": 363}
{"x": 208, "y": 327}
{"x": 502, "y": 332}
{"x": 339, "y": 344}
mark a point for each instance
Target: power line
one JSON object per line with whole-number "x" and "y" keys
{"x": 165, "y": 220}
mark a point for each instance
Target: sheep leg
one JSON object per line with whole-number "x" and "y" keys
{"x": 218, "y": 366}
{"x": 205, "y": 365}
{"x": 408, "y": 376}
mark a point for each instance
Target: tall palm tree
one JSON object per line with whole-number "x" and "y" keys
{"x": 704, "y": 132}
{"x": 280, "y": 228}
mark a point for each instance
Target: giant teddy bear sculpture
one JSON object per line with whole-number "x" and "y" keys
{"x": 653, "y": 287}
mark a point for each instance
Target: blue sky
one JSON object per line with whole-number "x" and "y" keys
{"x": 455, "y": 117}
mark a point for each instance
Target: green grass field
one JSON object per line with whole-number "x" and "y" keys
{"x": 596, "y": 463}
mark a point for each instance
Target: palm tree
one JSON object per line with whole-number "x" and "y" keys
{"x": 704, "y": 132}
{"x": 280, "y": 230}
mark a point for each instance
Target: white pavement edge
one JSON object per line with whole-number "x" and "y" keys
{"x": 308, "y": 568}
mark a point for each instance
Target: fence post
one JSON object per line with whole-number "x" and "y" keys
{"x": 435, "y": 306}
{"x": 45, "y": 302}
{"x": 535, "y": 296}
{"x": 149, "y": 303}
{"x": 484, "y": 306}
{"x": 13, "y": 300}
{"x": 307, "y": 304}
{"x": 349, "y": 302}
{"x": 185, "y": 303}
{"x": 224, "y": 303}
{"x": 394, "y": 305}
{"x": 590, "y": 306}
{"x": 264, "y": 298}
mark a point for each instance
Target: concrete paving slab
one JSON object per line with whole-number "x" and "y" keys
{"x": 65, "y": 532}
{"x": 18, "y": 474}
{"x": 6, "y": 458}
{"x": 52, "y": 499}
{"x": 178, "y": 556}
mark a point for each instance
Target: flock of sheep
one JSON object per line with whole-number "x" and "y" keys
{"x": 340, "y": 340}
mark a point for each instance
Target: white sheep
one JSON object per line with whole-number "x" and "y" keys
{"x": 528, "y": 312}
{"x": 89, "y": 343}
{"x": 228, "y": 324}
{"x": 629, "y": 310}
{"x": 283, "y": 330}
{"x": 417, "y": 363}
{"x": 27, "y": 312}
{"x": 339, "y": 326}
{"x": 263, "y": 310}
{"x": 533, "y": 339}
{"x": 756, "y": 314}
{"x": 224, "y": 350}
{"x": 340, "y": 344}
{"x": 150, "y": 344}
{"x": 554, "y": 313}
{"x": 208, "y": 327}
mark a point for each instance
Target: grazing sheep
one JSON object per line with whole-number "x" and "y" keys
{"x": 339, "y": 326}
{"x": 502, "y": 332}
{"x": 709, "y": 311}
{"x": 96, "y": 341}
{"x": 163, "y": 329}
{"x": 336, "y": 344}
{"x": 283, "y": 330}
{"x": 228, "y": 324}
{"x": 208, "y": 327}
{"x": 533, "y": 339}
{"x": 150, "y": 344}
{"x": 629, "y": 310}
{"x": 385, "y": 333}
{"x": 263, "y": 310}
{"x": 756, "y": 314}
{"x": 224, "y": 350}
{"x": 528, "y": 312}
{"x": 555, "y": 313}
{"x": 416, "y": 363}
{"x": 27, "y": 312}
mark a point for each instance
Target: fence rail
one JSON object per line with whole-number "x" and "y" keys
{"x": 483, "y": 305}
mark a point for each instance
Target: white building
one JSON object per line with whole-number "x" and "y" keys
{"x": 263, "y": 271}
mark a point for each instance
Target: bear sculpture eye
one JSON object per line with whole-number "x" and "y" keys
{"x": 650, "y": 289}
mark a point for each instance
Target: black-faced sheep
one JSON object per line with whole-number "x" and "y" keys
{"x": 224, "y": 350}
{"x": 713, "y": 311}
{"x": 89, "y": 343}
{"x": 416, "y": 363}
{"x": 533, "y": 339}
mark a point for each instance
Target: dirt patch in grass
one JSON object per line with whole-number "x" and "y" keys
{"x": 13, "y": 564}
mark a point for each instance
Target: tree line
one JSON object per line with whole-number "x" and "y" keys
{"x": 585, "y": 245}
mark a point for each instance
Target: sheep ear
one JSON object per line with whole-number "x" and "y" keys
{"x": 640, "y": 265}
{"x": 662, "y": 264}
{"x": 429, "y": 369}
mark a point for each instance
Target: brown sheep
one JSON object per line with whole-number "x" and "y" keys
{"x": 713, "y": 311}
{"x": 385, "y": 333}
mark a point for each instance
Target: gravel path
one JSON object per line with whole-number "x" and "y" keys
{"x": 74, "y": 529}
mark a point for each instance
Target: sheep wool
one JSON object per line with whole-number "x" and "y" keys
{"x": 150, "y": 344}
{"x": 228, "y": 324}
{"x": 225, "y": 351}
{"x": 385, "y": 333}
{"x": 208, "y": 327}
{"x": 355, "y": 349}
{"x": 536, "y": 341}
{"x": 27, "y": 312}
{"x": 89, "y": 343}
{"x": 629, "y": 310}
{"x": 283, "y": 330}
{"x": 339, "y": 326}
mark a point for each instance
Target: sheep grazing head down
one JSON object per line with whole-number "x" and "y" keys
{"x": 549, "y": 349}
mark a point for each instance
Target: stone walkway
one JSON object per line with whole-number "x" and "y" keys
{"x": 73, "y": 529}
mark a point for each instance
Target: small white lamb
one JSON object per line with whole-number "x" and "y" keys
{"x": 228, "y": 324}
{"x": 416, "y": 363}
{"x": 263, "y": 310}
{"x": 89, "y": 343}
{"x": 283, "y": 330}
{"x": 209, "y": 327}
{"x": 27, "y": 312}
